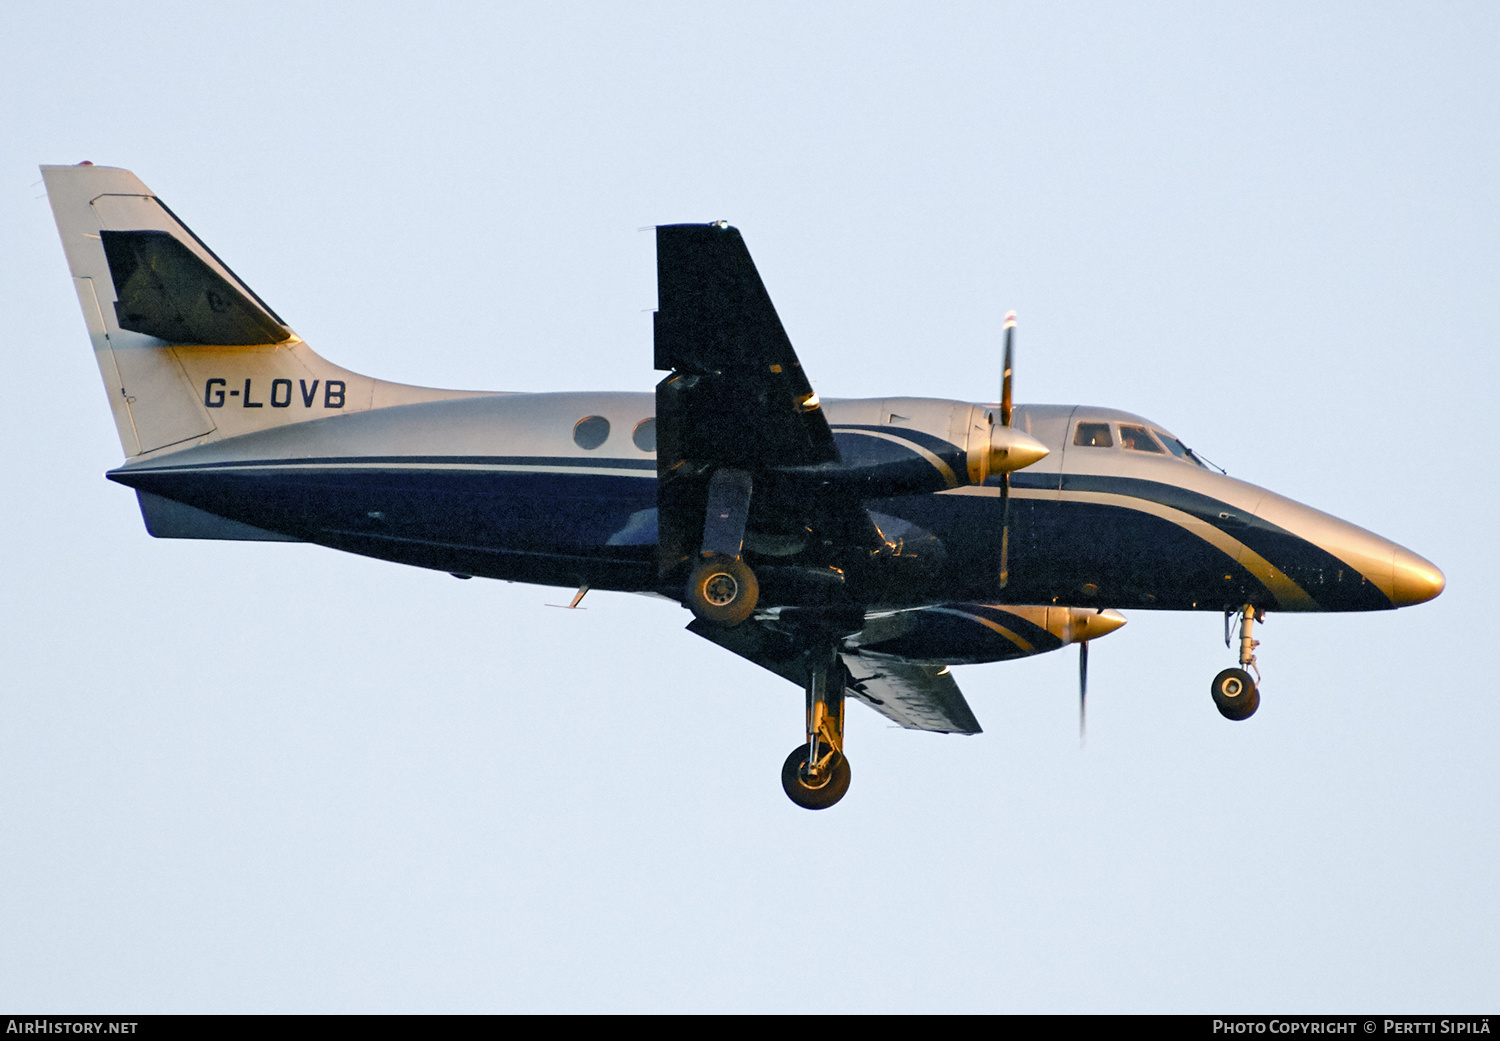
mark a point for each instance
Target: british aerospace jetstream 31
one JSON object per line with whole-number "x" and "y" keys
{"x": 855, "y": 548}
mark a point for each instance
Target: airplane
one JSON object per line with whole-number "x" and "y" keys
{"x": 857, "y": 548}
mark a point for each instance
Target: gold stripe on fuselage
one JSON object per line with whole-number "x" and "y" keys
{"x": 1002, "y": 630}
{"x": 1289, "y": 595}
{"x": 936, "y": 460}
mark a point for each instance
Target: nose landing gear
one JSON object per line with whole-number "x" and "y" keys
{"x": 1235, "y": 694}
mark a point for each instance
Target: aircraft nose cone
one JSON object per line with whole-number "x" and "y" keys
{"x": 1415, "y": 580}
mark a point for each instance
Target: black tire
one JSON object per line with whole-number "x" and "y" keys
{"x": 722, "y": 590}
{"x": 1235, "y": 694}
{"x": 799, "y": 789}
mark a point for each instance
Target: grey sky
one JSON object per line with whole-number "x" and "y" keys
{"x": 270, "y": 777}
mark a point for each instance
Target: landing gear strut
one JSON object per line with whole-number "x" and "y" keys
{"x": 1235, "y": 694}
{"x": 816, "y": 774}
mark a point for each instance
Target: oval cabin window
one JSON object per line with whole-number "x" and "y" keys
{"x": 590, "y": 432}
{"x": 644, "y": 435}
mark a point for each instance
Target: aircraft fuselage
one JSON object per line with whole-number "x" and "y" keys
{"x": 560, "y": 489}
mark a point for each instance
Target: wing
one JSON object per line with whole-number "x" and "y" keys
{"x": 737, "y": 395}
{"x": 917, "y": 697}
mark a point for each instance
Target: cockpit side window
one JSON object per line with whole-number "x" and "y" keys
{"x": 1174, "y": 446}
{"x": 1093, "y": 435}
{"x": 1177, "y": 448}
{"x": 1138, "y": 439}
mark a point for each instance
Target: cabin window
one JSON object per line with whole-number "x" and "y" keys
{"x": 1093, "y": 435}
{"x": 644, "y": 435}
{"x": 590, "y": 432}
{"x": 1139, "y": 439}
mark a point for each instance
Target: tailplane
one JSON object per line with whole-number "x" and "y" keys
{"x": 188, "y": 352}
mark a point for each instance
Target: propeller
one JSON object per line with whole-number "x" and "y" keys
{"x": 1004, "y": 448}
{"x": 1005, "y": 414}
{"x": 1083, "y": 689}
{"x": 1082, "y": 628}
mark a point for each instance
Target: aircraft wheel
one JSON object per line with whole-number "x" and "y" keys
{"x": 810, "y": 793}
{"x": 723, "y": 590}
{"x": 1235, "y": 695}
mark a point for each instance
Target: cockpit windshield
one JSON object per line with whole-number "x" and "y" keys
{"x": 1180, "y": 450}
{"x": 1134, "y": 437}
{"x": 1138, "y": 438}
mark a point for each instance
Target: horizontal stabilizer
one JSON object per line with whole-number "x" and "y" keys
{"x": 166, "y": 291}
{"x": 738, "y": 396}
{"x": 713, "y": 311}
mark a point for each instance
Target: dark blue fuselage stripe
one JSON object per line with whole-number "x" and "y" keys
{"x": 362, "y": 461}
{"x": 1058, "y": 546}
{"x": 1304, "y": 562}
{"x": 936, "y": 445}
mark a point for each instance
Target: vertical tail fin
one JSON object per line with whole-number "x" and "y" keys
{"x": 188, "y": 352}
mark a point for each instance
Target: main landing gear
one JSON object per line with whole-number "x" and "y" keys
{"x": 816, "y": 774}
{"x": 1235, "y": 694}
{"x": 722, "y": 588}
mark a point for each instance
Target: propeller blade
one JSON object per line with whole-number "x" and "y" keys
{"x": 1083, "y": 689}
{"x": 1004, "y": 530}
{"x": 1005, "y": 378}
{"x": 1005, "y": 414}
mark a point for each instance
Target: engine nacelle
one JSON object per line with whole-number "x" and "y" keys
{"x": 967, "y": 634}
